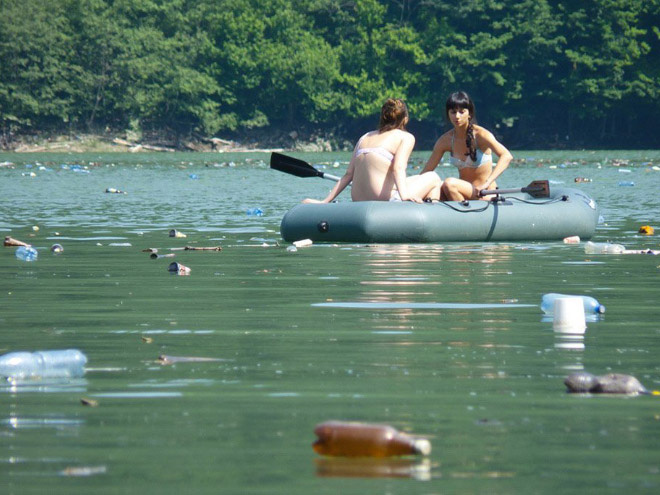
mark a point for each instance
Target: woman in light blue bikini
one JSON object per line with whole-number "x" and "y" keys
{"x": 378, "y": 166}
{"x": 471, "y": 149}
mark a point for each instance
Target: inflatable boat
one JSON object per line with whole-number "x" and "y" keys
{"x": 519, "y": 216}
{"x": 531, "y": 213}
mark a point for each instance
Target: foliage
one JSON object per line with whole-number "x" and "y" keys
{"x": 537, "y": 69}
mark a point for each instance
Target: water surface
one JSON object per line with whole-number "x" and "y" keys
{"x": 443, "y": 340}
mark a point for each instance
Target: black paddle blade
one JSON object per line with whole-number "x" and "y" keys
{"x": 293, "y": 166}
{"x": 538, "y": 189}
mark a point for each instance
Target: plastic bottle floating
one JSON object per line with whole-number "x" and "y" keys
{"x": 603, "y": 248}
{"x": 176, "y": 233}
{"x": 591, "y": 305}
{"x": 44, "y": 364}
{"x": 352, "y": 439}
{"x": 612, "y": 383}
{"x": 112, "y": 190}
{"x": 26, "y": 253}
{"x": 255, "y": 212}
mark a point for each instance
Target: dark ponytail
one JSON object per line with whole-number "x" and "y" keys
{"x": 469, "y": 142}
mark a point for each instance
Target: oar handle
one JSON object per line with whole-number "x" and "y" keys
{"x": 486, "y": 192}
{"x": 330, "y": 177}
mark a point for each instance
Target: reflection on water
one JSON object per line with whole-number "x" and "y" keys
{"x": 417, "y": 469}
{"x": 445, "y": 338}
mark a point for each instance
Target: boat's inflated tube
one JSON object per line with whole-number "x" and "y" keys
{"x": 515, "y": 217}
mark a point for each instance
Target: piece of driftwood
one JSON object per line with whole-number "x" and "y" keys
{"x": 10, "y": 241}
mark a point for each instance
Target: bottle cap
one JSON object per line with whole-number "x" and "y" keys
{"x": 600, "y": 309}
{"x": 422, "y": 446}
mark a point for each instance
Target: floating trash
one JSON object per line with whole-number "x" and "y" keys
{"x": 112, "y": 190}
{"x": 176, "y": 233}
{"x": 352, "y": 439}
{"x": 603, "y": 248}
{"x": 646, "y": 230}
{"x": 569, "y": 316}
{"x": 26, "y": 253}
{"x": 612, "y": 383}
{"x": 255, "y": 212}
{"x": 626, "y": 183}
{"x": 303, "y": 243}
{"x": 178, "y": 269}
{"x": 56, "y": 249}
{"x": 574, "y": 239}
{"x": 10, "y": 241}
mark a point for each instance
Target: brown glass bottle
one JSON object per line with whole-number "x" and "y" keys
{"x": 339, "y": 438}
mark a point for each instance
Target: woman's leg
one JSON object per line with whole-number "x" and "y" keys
{"x": 454, "y": 189}
{"x": 426, "y": 185}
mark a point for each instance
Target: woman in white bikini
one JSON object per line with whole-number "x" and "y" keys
{"x": 471, "y": 149}
{"x": 378, "y": 166}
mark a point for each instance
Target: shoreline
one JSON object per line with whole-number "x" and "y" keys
{"x": 106, "y": 143}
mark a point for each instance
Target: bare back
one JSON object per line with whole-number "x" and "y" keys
{"x": 373, "y": 165}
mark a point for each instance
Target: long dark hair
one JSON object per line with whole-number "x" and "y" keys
{"x": 393, "y": 115}
{"x": 460, "y": 99}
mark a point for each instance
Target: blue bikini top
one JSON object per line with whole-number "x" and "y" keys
{"x": 482, "y": 158}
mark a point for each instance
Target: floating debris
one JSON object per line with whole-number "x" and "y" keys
{"x": 10, "y": 241}
{"x": 176, "y": 233}
{"x": 165, "y": 359}
{"x": 89, "y": 402}
{"x": 646, "y": 230}
{"x": 84, "y": 471}
{"x": 178, "y": 269}
{"x": 612, "y": 383}
{"x": 302, "y": 243}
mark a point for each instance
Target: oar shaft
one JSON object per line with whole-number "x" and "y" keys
{"x": 330, "y": 177}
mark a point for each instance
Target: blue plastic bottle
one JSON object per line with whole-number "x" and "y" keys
{"x": 257, "y": 212}
{"x": 591, "y": 305}
{"x": 26, "y": 253}
{"x": 44, "y": 364}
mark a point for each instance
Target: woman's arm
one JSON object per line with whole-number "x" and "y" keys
{"x": 338, "y": 187}
{"x": 399, "y": 166}
{"x": 498, "y": 148}
{"x": 439, "y": 149}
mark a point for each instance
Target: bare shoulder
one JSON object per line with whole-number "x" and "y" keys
{"x": 443, "y": 142}
{"x": 482, "y": 132}
{"x": 403, "y": 136}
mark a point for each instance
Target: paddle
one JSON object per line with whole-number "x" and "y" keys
{"x": 536, "y": 189}
{"x": 297, "y": 167}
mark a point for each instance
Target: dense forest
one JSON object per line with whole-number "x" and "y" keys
{"x": 543, "y": 73}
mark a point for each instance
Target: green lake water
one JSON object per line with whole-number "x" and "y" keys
{"x": 476, "y": 368}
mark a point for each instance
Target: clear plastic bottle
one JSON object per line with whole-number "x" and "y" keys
{"x": 350, "y": 439}
{"x": 603, "y": 248}
{"x": 26, "y": 253}
{"x": 45, "y": 364}
{"x": 591, "y": 305}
